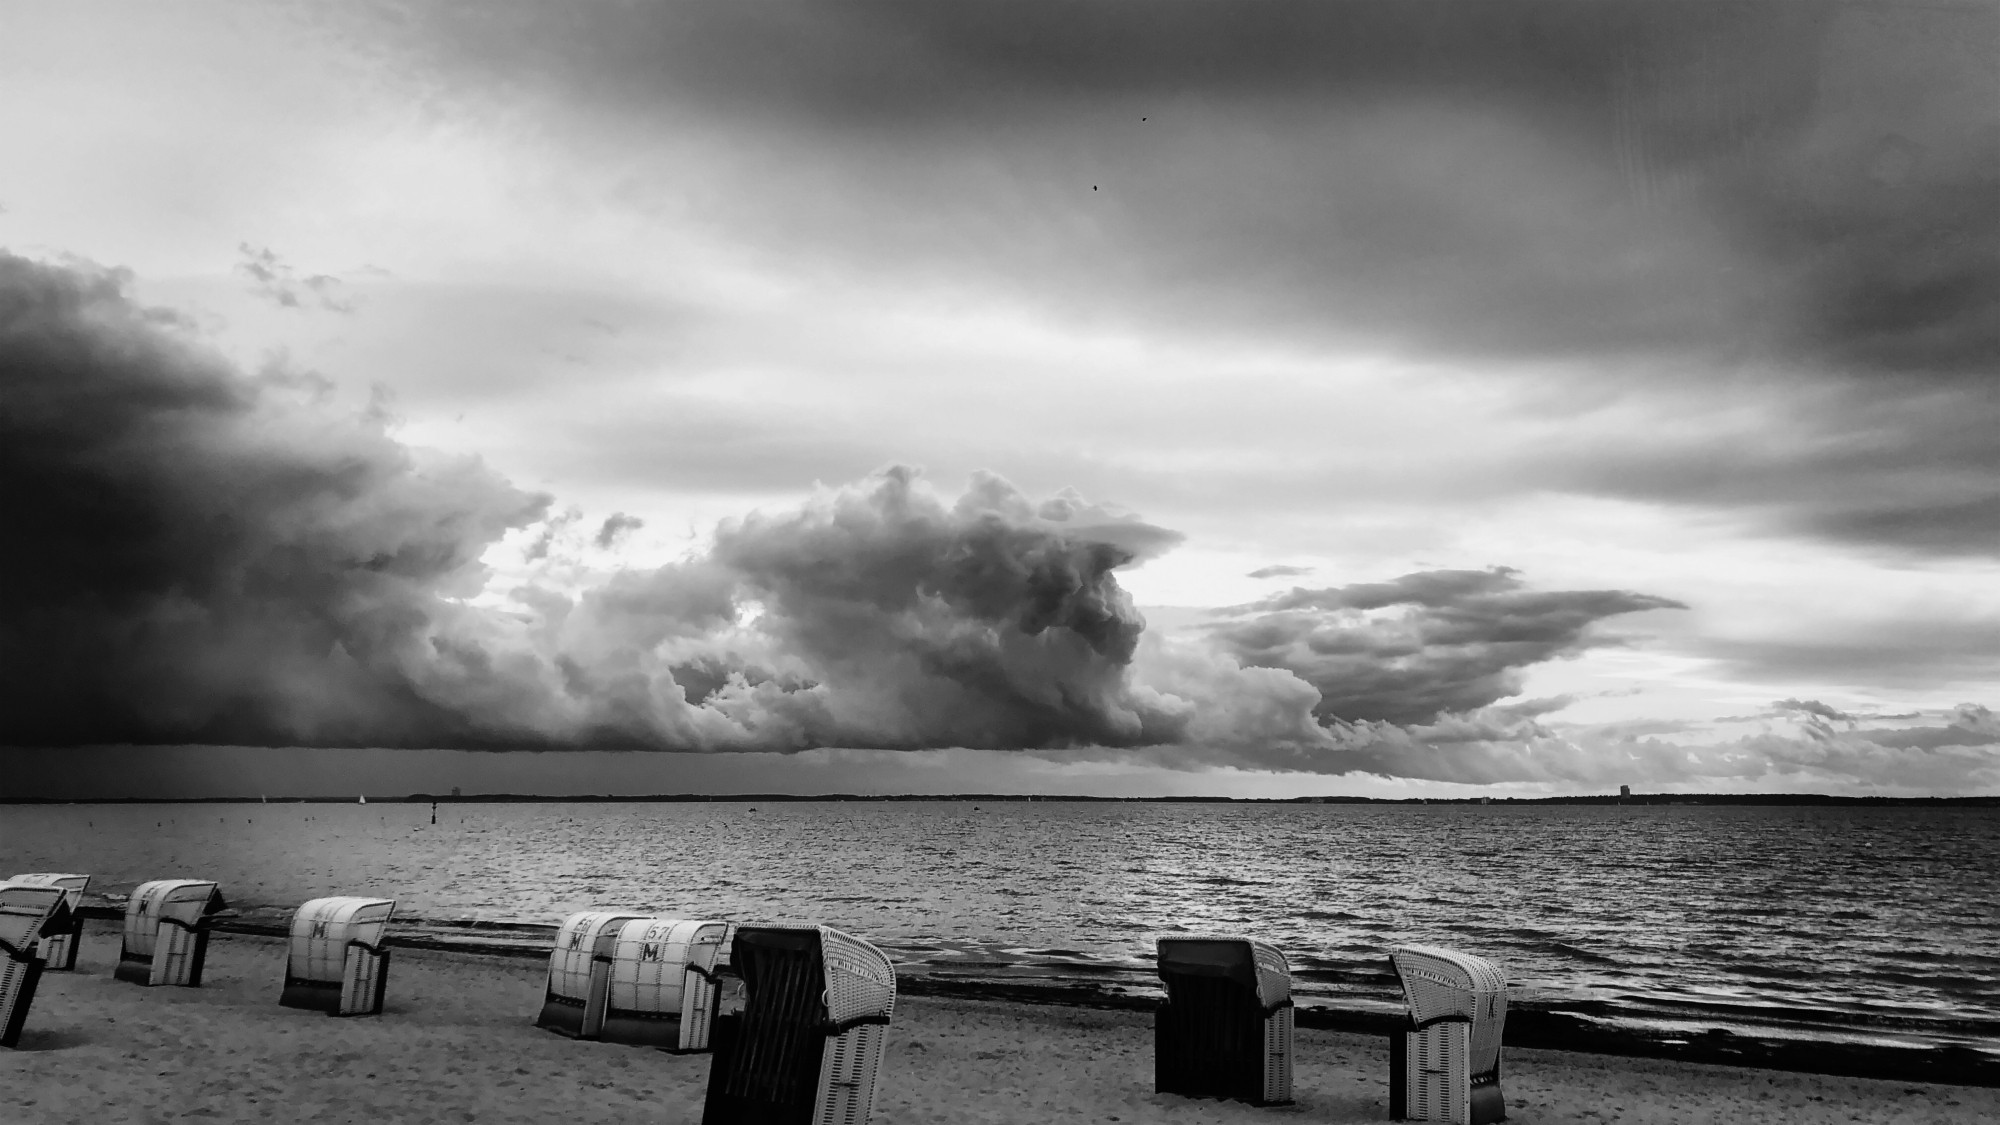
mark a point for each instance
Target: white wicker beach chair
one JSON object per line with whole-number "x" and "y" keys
{"x": 59, "y": 949}
{"x": 1446, "y": 1067}
{"x": 25, "y": 911}
{"x": 338, "y": 964}
{"x": 806, "y": 1046}
{"x": 1225, "y": 1030}
{"x": 663, "y": 983}
{"x": 167, "y": 923}
{"x": 580, "y": 973}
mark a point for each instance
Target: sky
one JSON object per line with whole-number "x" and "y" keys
{"x": 1378, "y": 398}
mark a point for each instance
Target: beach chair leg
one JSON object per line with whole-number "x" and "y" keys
{"x": 17, "y": 995}
{"x": 1399, "y": 1076}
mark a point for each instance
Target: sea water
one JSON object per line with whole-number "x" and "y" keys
{"x": 1876, "y": 923}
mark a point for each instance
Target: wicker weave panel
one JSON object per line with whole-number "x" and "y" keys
{"x": 1444, "y": 984}
{"x": 860, "y": 979}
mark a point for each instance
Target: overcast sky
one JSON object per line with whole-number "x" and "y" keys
{"x": 1392, "y": 398}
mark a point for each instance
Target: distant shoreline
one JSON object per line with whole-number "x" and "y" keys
{"x": 1772, "y": 799}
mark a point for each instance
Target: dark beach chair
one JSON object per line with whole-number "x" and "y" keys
{"x": 167, "y": 923}
{"x": 338, "y": 963}
{"x": 806, "y": 1046}
{"x": 25, "y": 911}
{"x": 1446, "y": 1067}
{"x": 59, "y": 948}
{"x": 663, "y": 983}
{"x": 580, "y": 973}
{"x": 1225, "y": 1030}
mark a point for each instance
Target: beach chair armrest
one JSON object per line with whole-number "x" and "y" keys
{"x": 1449, "y": 1017}
{"x": 374, "y": 949}
{"x": 831, "y": 1028}
{"x": 1278, "y": 1005}
{"x": 17, "y": 953}
{"x": 712, "y": 976}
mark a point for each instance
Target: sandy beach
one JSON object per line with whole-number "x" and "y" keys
{"x": 456, "y": 1045}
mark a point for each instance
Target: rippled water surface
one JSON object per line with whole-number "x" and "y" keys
{"x": 1881, "y": 922}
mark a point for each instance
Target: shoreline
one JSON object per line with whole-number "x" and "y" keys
{"x": 456, "y": 1044}
{"x": 1529, "y": 1026}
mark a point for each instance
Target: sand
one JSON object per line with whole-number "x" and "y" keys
{"x": 456, "y": 1044}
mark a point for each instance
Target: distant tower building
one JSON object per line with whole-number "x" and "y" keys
{"x": 454, "y": 790}
{"x": 1624, "y": 791}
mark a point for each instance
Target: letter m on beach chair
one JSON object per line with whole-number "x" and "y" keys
{"x": 1446, "y": 1067}
{"x": 338, "y": 964}
{"x": 167, "y": 923}
{"x": 24, "y": 913}
{"x": 1226, "y": 1028}
{"x": 663, "y": 984}
{"x": 59, "y": 948}
{"x": 806, "y": 1046}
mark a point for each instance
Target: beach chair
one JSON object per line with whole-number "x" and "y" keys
{"x": 663, "y": 990}
{"x": 805, "y": 1048}
{"x": 1446, "y": 1066}
{"x": 25, "y": 911}
{"x": 338, "y": 964}
{"x": 167, "y": 923}
{"x": 580, "y": 973}
{"x": 59, "y": 949}
{"x": 1225, "y": 1030}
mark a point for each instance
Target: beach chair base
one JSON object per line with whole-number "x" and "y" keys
{"x": 658, "y": 1030}
{"x": 359, "y": 993}
{"x": 1424, "y": 1087}
{"x": 759, "y": 1099}
{"x": 562, "y": 1015}
{"x": 18, "y": 977}
{"x": 59, "y": 950}
{"x": 1241, "y": 1055}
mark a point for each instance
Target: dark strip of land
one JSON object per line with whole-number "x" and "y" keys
{"x": 1776, "y": 799}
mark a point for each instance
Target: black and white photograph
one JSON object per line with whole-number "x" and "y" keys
{"x": 829, "y": 562}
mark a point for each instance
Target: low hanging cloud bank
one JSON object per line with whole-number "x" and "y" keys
{"x": 197, "y": 555}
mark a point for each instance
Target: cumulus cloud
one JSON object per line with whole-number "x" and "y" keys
{"x": 615, "y": 527}
{"x": 197, "y": 555}
{"x": 1423, "y": 645}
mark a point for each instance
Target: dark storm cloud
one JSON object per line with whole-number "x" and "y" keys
{"x": 1449, "y": 641}
{"x": 198, "y": 556}
{"x": 1548, "y": 177}
{"x": 194, "y": 555}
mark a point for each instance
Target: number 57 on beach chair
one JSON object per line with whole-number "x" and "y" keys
{"x": 24, "y": 913}
{"x": 1446, "y": 1067}
{"x": 167, "y": 923}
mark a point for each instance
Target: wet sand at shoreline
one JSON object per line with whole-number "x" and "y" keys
{"x": 456, "y": 1044}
